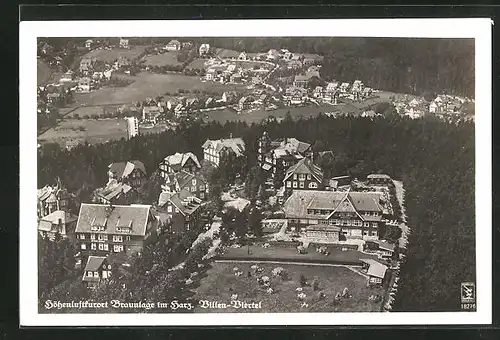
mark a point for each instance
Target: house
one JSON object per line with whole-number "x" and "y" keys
{"x": 304, "y": 175}
{"x": 112, "y": 193}
{"x": 181, "y": 209}
{"x": 376, "y": 271}
{"x": 235, "y": 78}
{"x": 204, "y": 50}
{"x": 375, "y": 179}
{"x": 191, "y": 102}
{"x": 84, "y": 84}
{"x": 275, "y": 156}
{"x": 272, "y": 54}
{"x": 301, "y": 80}
{"x": 122, "y": 62}
{"x": 210, "y": 75}
{"x": 256, "y": 80}
{"x": 209, "y": 101}
{"x": 96, "y": 269}
{"x": 433, "y": 107}
{"x": 318, "y": 92}
{"x": 357, "y": 86}
{"x": 86, "y": 65}
{"x": 342, "y": 180}
{"x": 98, "y": 75}
{"x": 102, "y": 229}
{"x": 187, "y": 45}
{"x": 178, "y": 108}
{"x": 179, "y": 162}
{"x": 53, "y": 97}
{"x": 58, "y": 222}
{"x": 194, "y": 183}
{"x": 344, "y": 87}
{"x": 51, "y": 199}
{"x": 173, "y": 45}
{"x": 332, "y": 86}
{"x": 286, "y": 55}
{"x": 67, "y": 77}
{"x": 386, "y": 250}
{"x": 231, "y": 68}
{"x": 243, "y": 103}
{"x": 357, "y": 214}
{"x": 124, "y": 43}
{"x": 150, "y": 114}
{"x": 242, "y": 56}
{"x": 294, "y": 64}
{"x": 227, "y": 97}
{"x": 88, "y": 43}
{"x": 367, "y": 91}
{"x": 214, "y": 150}
{"x": 132, "y": 173}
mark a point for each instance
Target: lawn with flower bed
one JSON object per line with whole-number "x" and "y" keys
{"x": 226, "y": 281}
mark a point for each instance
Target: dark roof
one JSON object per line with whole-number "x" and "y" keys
{"x": 184, "y": 178}
{"x": 133, "y": 216}
{"x": 181, "y": 159}
{"x": 237, "y": 145}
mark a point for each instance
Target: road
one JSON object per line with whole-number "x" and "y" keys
{"x": 403, "y": 241}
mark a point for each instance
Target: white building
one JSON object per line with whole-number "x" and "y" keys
{"x": 132, "y": 126}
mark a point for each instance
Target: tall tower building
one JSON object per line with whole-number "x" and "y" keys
{"x": 132, "y": 126}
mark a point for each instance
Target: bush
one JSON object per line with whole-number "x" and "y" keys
{"x": 86, "y": 117}
{"x": 76, "y": 116}
{"x": 315, "y": 285}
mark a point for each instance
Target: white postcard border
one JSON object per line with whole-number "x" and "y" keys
{"x": 480, "y": 29}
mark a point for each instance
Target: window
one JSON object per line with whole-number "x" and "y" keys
{"x": 193, "y": 189}
{"x": 83, "y": 246}
{"x": 128, "y": 238}
{"x": 202, "y": 187}
{"x": 367, "y": 224}
{"x": 308, "y": 177}
{"x": 176, "y": 209}
{"x": 92, "y": 236}
{"x": 288, "y": 184}
{"x": 301, "y": 184}
{"x": 105, "y": 246}
{"x": 313, "y": 185}
{"x": 202, "y": 195}
{"x": 101, "y": 246}
{"x": 302, "y": 177}
{"x": 117, "y": 238}
{"x": 96, "y": 274}
{"x": 102, "y": 237}
{"x": 93, "y": 246}
{"x": 104, "y": 274}
{"x": 193, "y": 181}
{"x": 294, "y": 176}
{"x": 169, "y": 208}
{"x": 294, "y": 184}
{"x": 82, "y": 236}
{"x": 90, "y": 274}
{"x": 374, "y": 224}
{"x": 117, "y": 248}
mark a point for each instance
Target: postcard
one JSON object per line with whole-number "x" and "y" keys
{"x": 255, "y": 172}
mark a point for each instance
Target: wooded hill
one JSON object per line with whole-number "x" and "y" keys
{"x": 434, "y": 159}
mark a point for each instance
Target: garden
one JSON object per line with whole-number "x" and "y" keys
{"x": 288, "y": 288}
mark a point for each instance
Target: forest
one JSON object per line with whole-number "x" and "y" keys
{"x": 434, "y": 159}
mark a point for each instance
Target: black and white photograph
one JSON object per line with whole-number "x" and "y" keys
{"x": 330, "y": 172}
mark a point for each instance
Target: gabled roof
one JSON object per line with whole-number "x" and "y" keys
{"x": 305, "y": 166}
{"x": 375, "y": 268}
{"x": 123, "y": 169}
{"x": 113, "y": 189}
{"x": 94, "y": 263}
{"x": 186, "y": 202}
{"x": 237, "y": 145}
{"x": 181, "y": 159}
{"x": 184, "y": 178}
{"x": 46, "y": 223}
{"x": 134, "y": 217}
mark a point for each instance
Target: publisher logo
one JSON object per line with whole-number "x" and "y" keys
{"x": 468, "y": 292}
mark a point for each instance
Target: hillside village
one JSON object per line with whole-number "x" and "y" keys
{"x": 258, "y": 84}
{"x": 252, "y": 219}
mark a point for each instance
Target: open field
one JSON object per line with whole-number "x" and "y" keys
{"x": 115, "y": 53}
{"x": 166, "y": 58}
{"x": 149, "y": 85}
{"x": 296, "y": 112}
{"x": 278, "y": 253}
{"x": 92, "y": 131}
{"x": 92, "y": 110}
{"x": 221, "y": 284}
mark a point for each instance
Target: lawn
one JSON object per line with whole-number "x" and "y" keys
{"x": 279, "y": 253}
{"x": 221, "y": 283}
{"x": 92, "y": 131}
{"x": 44, "y": 73}
{"x": 149, "y": 85}
{"x": 197, "y": 64}
{"x": 115, "y": 53}
{"x": 167, "y": 58}
{"x": 258, "y": 115}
